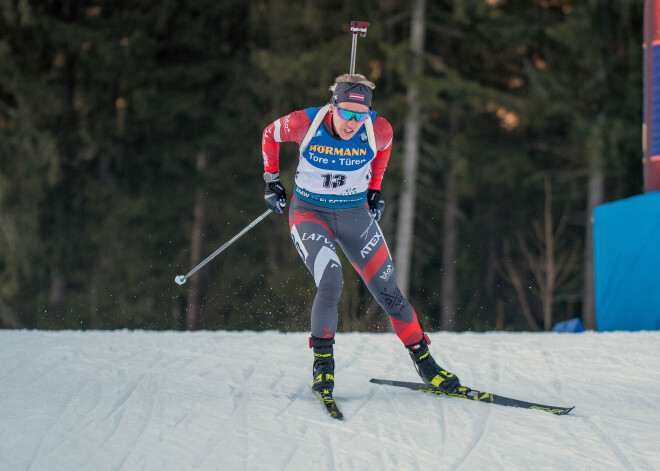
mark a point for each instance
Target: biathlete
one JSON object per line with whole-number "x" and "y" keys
{"x": 344, "y": 150}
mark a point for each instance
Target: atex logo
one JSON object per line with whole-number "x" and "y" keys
{"x": 366, "y": 250}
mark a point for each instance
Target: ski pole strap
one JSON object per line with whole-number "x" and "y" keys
{"x": 313, "y": 127}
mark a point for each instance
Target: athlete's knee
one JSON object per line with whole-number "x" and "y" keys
{"x": 389, "y": 297}
{"x": 330, "y": 284}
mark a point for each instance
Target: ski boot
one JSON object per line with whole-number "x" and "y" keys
{"x": 429, "y": 370}
{"x": 323, "y": 370}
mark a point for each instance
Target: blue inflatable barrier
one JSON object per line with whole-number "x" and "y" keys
{"x": 572, "y": 325}
{"x": 627, "y": 263}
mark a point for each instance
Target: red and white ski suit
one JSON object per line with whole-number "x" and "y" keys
{"x": 317, "y": 227}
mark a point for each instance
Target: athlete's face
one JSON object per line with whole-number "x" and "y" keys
{"x": 347, "y": 129}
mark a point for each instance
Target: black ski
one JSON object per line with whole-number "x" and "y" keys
{"x": 473, "y": 394}
{"x": 330, "y": 405}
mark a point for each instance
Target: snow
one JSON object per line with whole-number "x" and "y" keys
{"x": 135, "y": 400}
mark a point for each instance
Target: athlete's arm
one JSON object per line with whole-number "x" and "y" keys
{"x": 383, "y": 134}
{"x": 289, "y": 128}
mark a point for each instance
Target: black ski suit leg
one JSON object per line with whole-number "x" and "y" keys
{"x": 312, "y": 234}
{"x": 363, "y": 243}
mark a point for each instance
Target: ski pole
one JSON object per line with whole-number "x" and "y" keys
{"x": 180, "y": 279}
{"x": 357, "y": 27}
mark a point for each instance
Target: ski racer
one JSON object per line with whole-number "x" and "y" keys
{"x": 344, "y": 150}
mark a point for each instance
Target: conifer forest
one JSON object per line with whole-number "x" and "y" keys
{"x": 130, "y": 149}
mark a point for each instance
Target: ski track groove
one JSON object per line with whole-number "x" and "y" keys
{"x": 105, "y": 441}
{"x": 296, "y": 444}
{"x": 117, "y": 411}
{"x": 409, "y": 439}
{"x": 123, "y": 399}
{"x": 45, "y": 372}
{"x": 210, "y": 445}
{"x": 381, "y": 436}
{"x": 611, "y": 444}
{"x": 248, "y": 372}
{"x": 234, "y": 394}
{"x": 85, "y": 425}
{"x": 364, "y": 402}
{"x": 144, "y": 427}
{"x": 484, "y": 422}
{"x": 39, "y": 453}
{"x": 292, "y": 398}
{"x": 476, "y": 440}
{"x": 441, "y": 424}
{"x": 331, "y": 449}
{"x": 19, "y": 388}
{"x": 65, "y": 437}
{"x": 278, "y": 380}
{"x": 357, "y": 353}
{"x": 156, "y": 358}
{"x": 244, "y": 424}
{"x": 240, "y": 411}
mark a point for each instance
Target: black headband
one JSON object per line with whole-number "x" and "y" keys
{"x": 353, "y": 93}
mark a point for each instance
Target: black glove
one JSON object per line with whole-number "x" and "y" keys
{"x": 275, "y": 196}
{"x": 376, "y": 205}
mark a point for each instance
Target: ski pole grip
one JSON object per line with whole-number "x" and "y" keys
{"x": 359, "y": 27}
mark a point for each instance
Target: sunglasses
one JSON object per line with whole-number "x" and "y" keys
{"x": 347, "y": 115}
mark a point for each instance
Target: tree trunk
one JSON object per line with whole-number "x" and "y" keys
{"x": 66, "y": 131}
{"x": 550, "y": 276}
{"x": 406, "y": 215}
{"x": 450, "y": 232}
{"x": 595, "y": 191}
{"x": 199, "y": 221}
{"x": 517, "y": 281}
{"x": 8, "y": 319}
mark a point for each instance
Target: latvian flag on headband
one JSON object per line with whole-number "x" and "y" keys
{"x": 356, "y": 96}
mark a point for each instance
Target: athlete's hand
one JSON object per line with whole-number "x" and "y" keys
{"x": 275, "y": 196}
{"x": 376, "y": 205}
